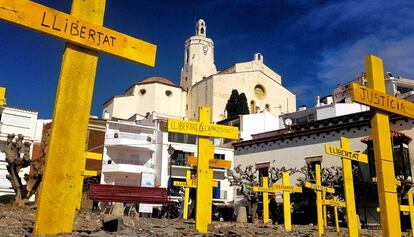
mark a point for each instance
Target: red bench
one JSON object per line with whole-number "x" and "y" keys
{"x": 129, "y": 194}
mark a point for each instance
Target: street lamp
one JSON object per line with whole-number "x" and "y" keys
{"x": 170, "y": 151}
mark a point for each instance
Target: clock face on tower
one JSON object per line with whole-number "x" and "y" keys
{"x": 205, "y": 49}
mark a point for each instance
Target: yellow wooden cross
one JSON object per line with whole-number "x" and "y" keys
{"x": 265, "y": 190}
{"x": 335, "y": 203}
{"x": 213, "y": 163}
{"x": 381, "y": 103}
{"x": 86, "y": 173}
{"x": 286, "y": 189}
{"x": 2, "y": 96}
{"x": 189, "y": 183}
{"x": 204, "y": 129}
{"x": 347, "y": 157}
{"x": 319, "y": 188}
{"x": 85, "y": 36}
{"x": 408, "y": 208}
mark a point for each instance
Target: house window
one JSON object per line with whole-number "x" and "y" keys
{"x": 180, "y": 157}
{"x": 311, "y": 163}
{"x": 263, "y": 169}
{"x": 402, "y": 166}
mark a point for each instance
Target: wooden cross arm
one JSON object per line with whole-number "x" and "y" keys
{"x": 213, "y": 163}
{"x": 319, "y": 187}
{"x": 192, "y": 184}
{"x": 347, "y": 154}
{"x": 287, "y": 188}
{"x": 333, "y": 202}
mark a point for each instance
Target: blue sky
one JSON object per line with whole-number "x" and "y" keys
{"x": 313, "y": 45}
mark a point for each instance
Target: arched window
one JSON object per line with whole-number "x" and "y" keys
{"x": 252, "y": 107}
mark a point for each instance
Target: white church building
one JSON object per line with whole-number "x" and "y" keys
{"x": 202, "y": 84}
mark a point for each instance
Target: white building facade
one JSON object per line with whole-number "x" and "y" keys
{"x": 17, "y": 121}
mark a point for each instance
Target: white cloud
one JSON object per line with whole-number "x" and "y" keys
{"x": 346, "y": 63}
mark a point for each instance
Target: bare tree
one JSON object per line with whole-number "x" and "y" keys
{"x": 246, "y": 178}
{"x": 15, "y": 163}
{"x": 17, "y": 157}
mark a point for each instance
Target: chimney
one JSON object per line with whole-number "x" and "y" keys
{"x": 318, "y": 101}
{"x": 258, "y": 57}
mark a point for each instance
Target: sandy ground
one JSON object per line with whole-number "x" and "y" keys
{"x": 15, "y": 221}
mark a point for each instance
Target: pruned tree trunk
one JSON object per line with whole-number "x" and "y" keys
{"x": 13, "y": 149}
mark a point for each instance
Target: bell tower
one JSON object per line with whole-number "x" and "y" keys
{"x": 198, "y": 57}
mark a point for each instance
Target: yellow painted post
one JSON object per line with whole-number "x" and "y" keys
{"x": 186, "y": 194}
{"x": 2, "y": 96}
{"x": 411, "y": 208}
{"x": 286, "y": 203}
{"x": 319, "y": 200}
{"x": 349, "y": 191}
{"x": 384, "y": 163}
{"x": 336, "y": 218}
{"x": 210, "y": 175}
{"x": 265, "y": 185}
{"x": 203, "y": 201}
{"x": 60, "y": 185}
{"x": 325, "y": 219}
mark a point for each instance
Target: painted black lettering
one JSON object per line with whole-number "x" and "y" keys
{"x": 99, "y": 37}
{"x": 91, "y": 34}
{"x": 54, "y": 22}
{"x": 66, "y": 25}
{"x": 113, "y": 39}
{"x": 82, "y": 32}
{"x": 106, "y": 39}
{"x": 74, "y": 26}
{"x": 363, "y": 93}
{"x": 43, "y": 20}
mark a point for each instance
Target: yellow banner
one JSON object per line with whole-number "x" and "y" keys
{"x": 287, "y": 188}
{"x": 202, "y": 129}
{"x": 319, "y": 187}
{"x": 77, "y": 31}
{"x": 382, "y": 101}
{"x": 336, "y": 151}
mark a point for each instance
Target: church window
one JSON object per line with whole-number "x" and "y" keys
{"x": 168, "y": 93}
{"x": 202, "y": 30}
{"x": 186, "y": 107}
{"x": 186, "y": 78}
{"x": 187, "y": 55}
{"x": 252, "y": 107}
{"x": 142, "y": 91}
{"x": 259, "y": 91}
{"x": 267, "y": 106}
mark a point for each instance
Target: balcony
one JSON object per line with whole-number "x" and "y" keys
{"x": 130, "y": 140}
{"x": 126, "y": 168}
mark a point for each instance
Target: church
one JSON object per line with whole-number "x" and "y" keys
{"x": 201, "y": 84}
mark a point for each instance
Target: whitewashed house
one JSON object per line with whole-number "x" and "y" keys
{"x": 17, "y": 121}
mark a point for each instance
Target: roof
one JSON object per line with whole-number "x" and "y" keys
{"x": 161, "y": 80}
{"x": 20, "y": 109}
{"x": 150, "y": 80}
{"x": 394, "y": 134}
